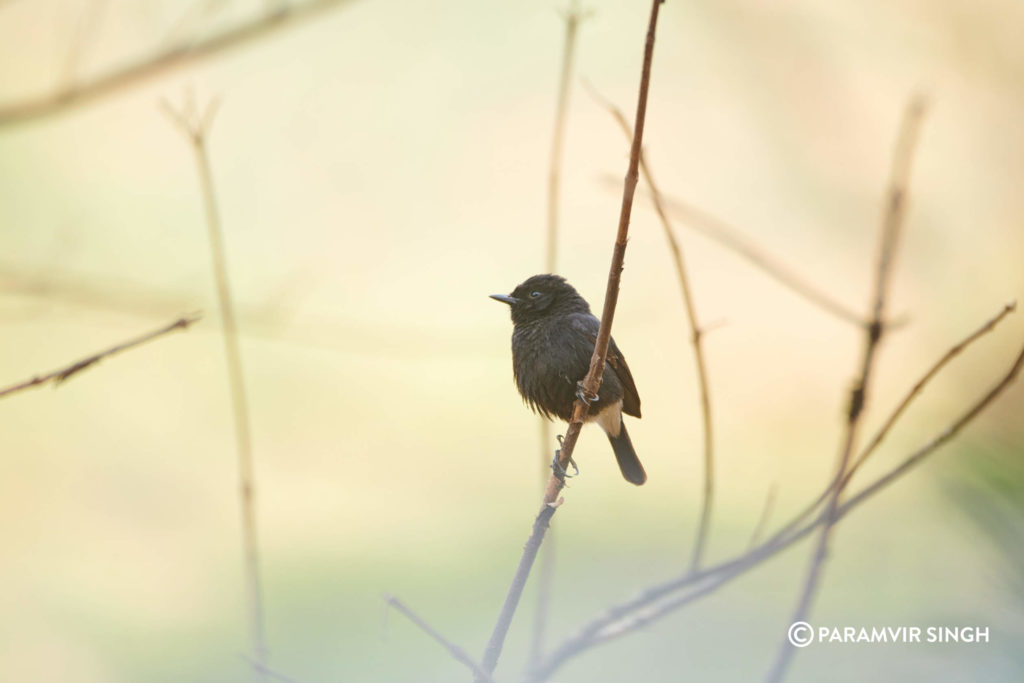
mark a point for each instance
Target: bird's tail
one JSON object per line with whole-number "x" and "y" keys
{"x": 629, "y": 463}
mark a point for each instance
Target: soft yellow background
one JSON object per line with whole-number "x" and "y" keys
{"x": 380, "y": 171}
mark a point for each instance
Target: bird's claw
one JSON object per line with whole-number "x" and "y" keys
{"x": 556, "y": 465}
{"x": 582, "y": 395}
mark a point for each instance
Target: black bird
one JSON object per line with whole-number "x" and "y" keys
{"x": 552, "y": 342}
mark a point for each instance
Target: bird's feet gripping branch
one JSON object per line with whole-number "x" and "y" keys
{"x": 556, "y": 464}
{"x": 582, "y": 394}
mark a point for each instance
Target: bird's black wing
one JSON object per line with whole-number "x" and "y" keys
{"x": 588, "y": 325}
{"x": 630, "y": 396}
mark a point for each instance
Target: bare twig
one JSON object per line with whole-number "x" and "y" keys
{"x": 195, "y": 125}
{"x": 696, "y": 336}
{"x": 592, "y": 382}
{"x": 454, "y": 650}
{"x": 650, "y": 604}
{"x": 573, "y": 16}
{"x": 58, "y": 376}
{"x": 161, "y": 62}
{"x": 891, "y": 228}
{"x": 883, "y": 431}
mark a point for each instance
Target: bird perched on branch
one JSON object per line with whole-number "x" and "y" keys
{"x": 552, "y": 343}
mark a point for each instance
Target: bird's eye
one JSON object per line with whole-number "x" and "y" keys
{"x": 534, "y": 295}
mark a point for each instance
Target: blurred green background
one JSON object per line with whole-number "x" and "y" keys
{"x": 381, "y": 169}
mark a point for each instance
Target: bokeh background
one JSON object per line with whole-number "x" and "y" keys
{"x": 381, "y": 169}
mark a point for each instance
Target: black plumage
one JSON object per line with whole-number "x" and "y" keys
{"x": 552, "y": 343}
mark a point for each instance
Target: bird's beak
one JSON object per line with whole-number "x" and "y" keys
{"x": 505, "y": 299}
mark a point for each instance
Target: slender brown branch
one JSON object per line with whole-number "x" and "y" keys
{"x": 891, "y": 228}
{"x": 592, "y": 382}
{"x": 883, "y": 431}
{"x": 159, "y": 63}
{"x": 645, "y": 608}
{"x": 696, "y": 337}
{"x": 195, "y": 125}
{"x": 58, "y": 376}
{"x": 454, "y": 650}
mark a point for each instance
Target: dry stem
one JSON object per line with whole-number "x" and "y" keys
{"x": 59, "y": 376}
{"x": 158, "y": 63}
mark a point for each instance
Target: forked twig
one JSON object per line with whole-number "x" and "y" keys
{"x": 195, "y": 126}
{"x": 58, "y": 376}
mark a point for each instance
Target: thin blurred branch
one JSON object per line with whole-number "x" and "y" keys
{"x": 703, "y": 383}
{"x": 58, "y": 376}
{"x": 731, "y": 238}
{"x": 573, "y": 16}
{"x": 70, "y": 95}
{"x": 454, "y": 650}
{"x": 892, "y": 223}
{"x": 592, "y": 382}
{"x": 195, "y": 126}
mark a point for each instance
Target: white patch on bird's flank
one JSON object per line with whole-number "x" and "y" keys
{"x": 610, "y": 419}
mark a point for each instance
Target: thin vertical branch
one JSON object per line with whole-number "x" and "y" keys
{"x": 592, "y": 382}
{"x": 696, "y": 337}
{"x": 892, "y": 223}
{"x": 573, "y": 16}
{"x": 196, "y": 127}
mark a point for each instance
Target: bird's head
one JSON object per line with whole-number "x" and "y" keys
{"x": 541, "y": 296}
